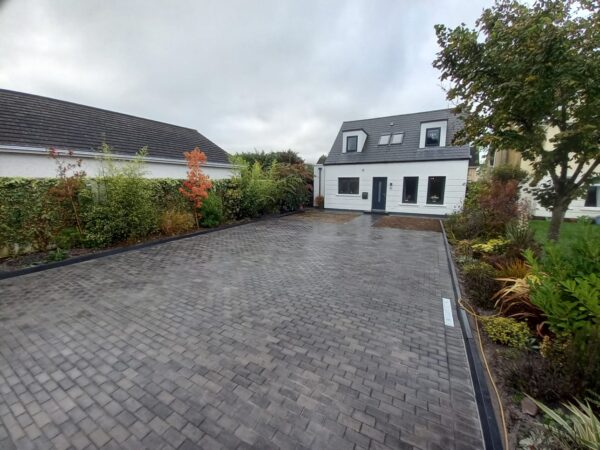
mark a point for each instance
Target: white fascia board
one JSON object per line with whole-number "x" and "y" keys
{"x": 95, "y": 155}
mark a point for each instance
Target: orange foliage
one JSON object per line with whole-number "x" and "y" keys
{"x": 195, "y": 187}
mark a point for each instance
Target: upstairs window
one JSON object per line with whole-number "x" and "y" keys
{"x": 410, "y": 190}
{"x": 397, "y": 138}
{"x": 432, "y": 137}
{"x": 592, "y": 199}
{"x": 384, "y": 139}
{"x": 351, "y": 143}
{"x": 348, "y": 186}
{"x": 435, "y": 190}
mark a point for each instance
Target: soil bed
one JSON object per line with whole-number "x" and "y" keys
{"x": 409, "y": 223}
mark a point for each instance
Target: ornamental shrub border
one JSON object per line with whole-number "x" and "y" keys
{"x": 31, "y": 219}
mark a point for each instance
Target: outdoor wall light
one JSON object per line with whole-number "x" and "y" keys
{"x": 391, "y": 184}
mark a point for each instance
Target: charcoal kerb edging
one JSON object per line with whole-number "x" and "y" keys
{"x": 487, "y": 414}
{"x": 130, "y": 248}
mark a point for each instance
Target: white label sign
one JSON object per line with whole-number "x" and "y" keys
{"x": 448, "y": 319}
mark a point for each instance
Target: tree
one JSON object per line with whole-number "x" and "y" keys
{"x": 322, "y": 159}
{"x": 523, "y": 73}
{"x": 195, "y": 187}
{"x": 267, "y": 159}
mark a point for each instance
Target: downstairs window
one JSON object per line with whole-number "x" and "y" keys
{"x": 348, "y": 186}
{"x": 410, "y": 189}
{"x": 435, "y": 190}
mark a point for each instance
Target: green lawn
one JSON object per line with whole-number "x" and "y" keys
{"x": 569, "y": 231}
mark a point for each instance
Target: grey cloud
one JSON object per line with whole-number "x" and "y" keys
{"x": 271, "y": 74}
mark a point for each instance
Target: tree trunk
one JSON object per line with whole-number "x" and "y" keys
{"x": 558, "y": 214}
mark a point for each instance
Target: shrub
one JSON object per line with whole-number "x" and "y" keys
{"x": 567, "y": 287}
{"x": 479, "y": 282}
{"x": 211, "y": 212}
{"x": 118, "y": 205}
{"x": 230, "y": 193}
{"x": 579, "y": 428}
{"x": 508, "y": 172}
{"x": 320, "y": 201}
{"x": 68, "y": 238}
{"x": 519, "y": 238}
{"x": 492, "y": 246}
{"x": 539, "y": 377}
{"x": 174, "y": 222}
{"x": 506, "y": 331}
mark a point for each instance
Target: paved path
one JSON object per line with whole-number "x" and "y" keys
{"x": 290, "y": 333}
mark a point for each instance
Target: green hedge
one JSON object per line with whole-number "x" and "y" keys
{"x": 127, "y": 207}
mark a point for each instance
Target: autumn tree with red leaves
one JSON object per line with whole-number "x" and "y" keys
{"x": 195, "y": 187}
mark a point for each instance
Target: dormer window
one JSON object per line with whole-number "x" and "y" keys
{"x": 433, "y": 134}
{"x": 351, "y": 143}
{"x": 432, "y": 137}
{"x": 397, "y": 138}
{"x": 384, "y": 139}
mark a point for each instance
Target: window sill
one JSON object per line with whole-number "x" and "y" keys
{"x": 428, "y": 205}
{"x": 414, "y": 205}
{"x": 590, "y": 208}
{"x": 347, "y": 195}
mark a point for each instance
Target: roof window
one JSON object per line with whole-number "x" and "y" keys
{"x": 384, "y": 139}
{"x": 397, "y": 138}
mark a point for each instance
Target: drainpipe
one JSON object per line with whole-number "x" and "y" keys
{"x": 320, "y": 171}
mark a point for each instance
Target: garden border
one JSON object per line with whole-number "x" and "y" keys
{"x": 115, "y": 251}
{"x": 487, "y": 413}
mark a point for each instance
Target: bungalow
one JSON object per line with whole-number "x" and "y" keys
{"x": 31, "y": 124}
{"x": 400, "y": 164}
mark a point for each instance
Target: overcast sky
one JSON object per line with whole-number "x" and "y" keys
{"x": 248, "y": 75}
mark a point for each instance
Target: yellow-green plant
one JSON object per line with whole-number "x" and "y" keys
{"x": 492, "y": 246}
{"x": 579, "y": 428}
{"x": 507, "y": 331}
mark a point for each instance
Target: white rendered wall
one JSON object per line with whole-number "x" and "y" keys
{"x": 454, "y": 171}
{"x": 42, "y": 166}
{"x": 576, "y": 209}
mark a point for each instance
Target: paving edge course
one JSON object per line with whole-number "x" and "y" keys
{"x": 485, "y": 406}
{"x": 115, "y": 251}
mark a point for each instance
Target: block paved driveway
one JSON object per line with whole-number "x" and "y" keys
{"x": 289, "y": 333}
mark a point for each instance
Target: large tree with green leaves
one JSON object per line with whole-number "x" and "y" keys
{"x": 523, "y": 73}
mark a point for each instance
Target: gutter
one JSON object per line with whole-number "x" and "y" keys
{"x": 41, "y": 151}
{"x": 485, "y": 406}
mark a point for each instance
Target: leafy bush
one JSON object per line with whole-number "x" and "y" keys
{"x": 567, "y": 285}
{"x": 68, "y": 238}
{"x": 492, "y": 246}
{"x": 506, "y": 331}
{"x": 118, "y": 206}
{"x": 320, "y": 201}
{"x": 579, "y": 428}
{"x": 211, "y": 211}
{"x": 174, "y": 222}
{"x": 480, "y": 284}
{"x": 508, "y": 172}
{"x": 539, "y": 377}
{"x": 519, "y": 238}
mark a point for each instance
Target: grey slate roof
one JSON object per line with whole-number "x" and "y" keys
{"x": 33, "y": 121}
{"x": 410, "y": 125}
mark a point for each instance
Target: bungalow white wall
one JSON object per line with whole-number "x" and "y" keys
{"x": 35, "y": 163}
{"x": 456, "y": 181}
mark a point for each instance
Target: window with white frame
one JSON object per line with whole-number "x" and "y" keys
{"x": 348, "y": 186}
{"x": 351, "y": 143}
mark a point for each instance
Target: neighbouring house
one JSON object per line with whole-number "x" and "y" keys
{"x": 399, "y": 164}
{"x": 588, "y": 205}
{"x": 31, "y": 124}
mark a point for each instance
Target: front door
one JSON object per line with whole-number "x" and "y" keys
{"x": 379, "y": 193}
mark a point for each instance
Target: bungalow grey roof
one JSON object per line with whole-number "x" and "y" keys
{"x": 29, "y": 120}
{"x": 408, "y": 150}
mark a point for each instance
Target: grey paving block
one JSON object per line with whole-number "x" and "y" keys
{"x": 286, "y": 333}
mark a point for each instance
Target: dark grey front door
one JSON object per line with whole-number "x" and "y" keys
{"x": 379, "y": 193}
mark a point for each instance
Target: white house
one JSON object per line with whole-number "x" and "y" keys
{"x": 399, "y": 164}
{"x": 30, "y": 125}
